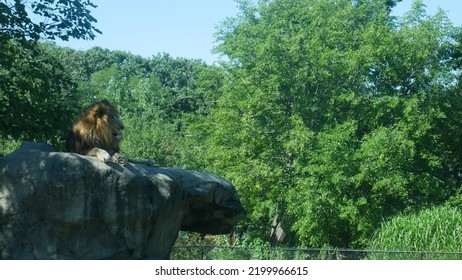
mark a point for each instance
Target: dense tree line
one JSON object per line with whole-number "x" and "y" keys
{"x": 330, "y": 117}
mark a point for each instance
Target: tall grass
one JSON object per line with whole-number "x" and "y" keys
{"x": 437, "y": 229}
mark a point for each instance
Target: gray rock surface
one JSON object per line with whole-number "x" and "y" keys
{"x": 66, "y": 206}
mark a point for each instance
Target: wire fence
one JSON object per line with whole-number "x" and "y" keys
{"x": 211, "y": 252}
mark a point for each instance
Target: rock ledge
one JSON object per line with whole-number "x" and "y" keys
{"x": 67, "y": 206}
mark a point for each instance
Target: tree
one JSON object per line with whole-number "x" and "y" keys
{"x": 56, "y": 19}
{"x": 35, "y": 92}
{"x": 332, "y": 116}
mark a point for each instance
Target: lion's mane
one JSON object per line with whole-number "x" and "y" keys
{"x": 99, "y": 126}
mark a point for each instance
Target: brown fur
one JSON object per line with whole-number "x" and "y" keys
{"x": 96, "y": 132}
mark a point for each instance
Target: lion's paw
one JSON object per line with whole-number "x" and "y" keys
{"x": 119, "y": 159}
{"x": 103, "y": 156}
{"x": 100, "y": 154}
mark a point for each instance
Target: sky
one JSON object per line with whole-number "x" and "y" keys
{"x": 185, "y": 28}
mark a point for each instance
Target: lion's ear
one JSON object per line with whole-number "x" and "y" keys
{"x": 100, "y": 112}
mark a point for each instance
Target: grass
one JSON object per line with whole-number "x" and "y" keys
{"x": 437, "y": 230}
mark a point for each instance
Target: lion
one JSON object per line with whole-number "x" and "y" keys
{"x": 98, "y": 132}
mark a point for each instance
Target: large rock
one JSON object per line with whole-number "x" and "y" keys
{"x": 67, "y": 206}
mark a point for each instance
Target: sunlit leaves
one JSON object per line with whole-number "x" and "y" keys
{"x": 343, "y": 103}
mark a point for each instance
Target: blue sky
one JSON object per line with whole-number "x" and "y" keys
{"x": 184, "y": 28}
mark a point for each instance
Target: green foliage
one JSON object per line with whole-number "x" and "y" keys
{"x": 35, "y": 91}
{"x": 333, "y": 116}
{"x": 51, "y": 19}
{"x": 8, "y": 146}
{"x": 437, "y": 229}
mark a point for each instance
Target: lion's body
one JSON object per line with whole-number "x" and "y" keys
{"x": 96, "y": 132}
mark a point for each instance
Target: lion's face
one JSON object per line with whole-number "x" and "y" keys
{"x": 116, "y": 127}
{"x": 98, "y": 126}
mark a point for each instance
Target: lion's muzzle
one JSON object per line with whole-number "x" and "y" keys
{"x": 118, "y": 135}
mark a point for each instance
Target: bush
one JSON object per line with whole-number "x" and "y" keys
{"x": 8, "y": 145}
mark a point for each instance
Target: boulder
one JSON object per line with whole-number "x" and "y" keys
{"x": 57, "y": 205}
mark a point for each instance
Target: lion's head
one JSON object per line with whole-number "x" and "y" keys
{"x": 99, "y": 126}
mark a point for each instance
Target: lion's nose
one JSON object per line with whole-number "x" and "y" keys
{"x": 118, "y": 134}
